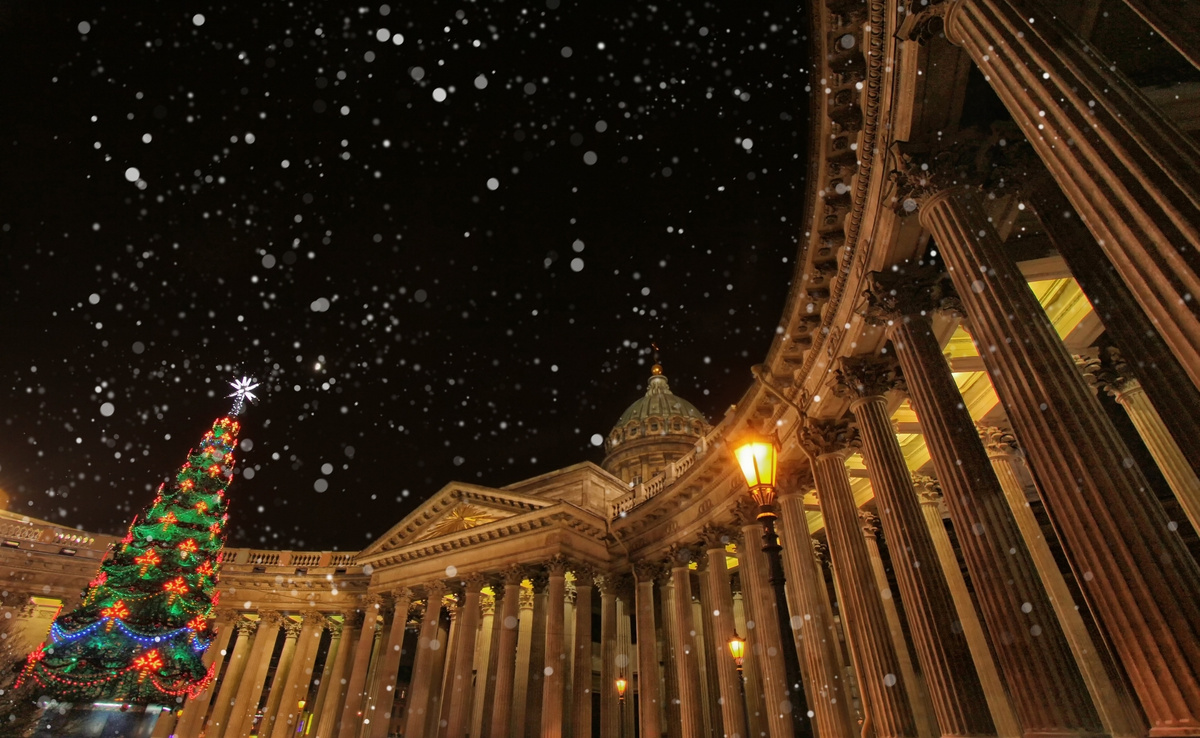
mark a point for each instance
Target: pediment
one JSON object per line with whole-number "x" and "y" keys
{"x": 463, "y": 516}
{"x": 455, "y": 509}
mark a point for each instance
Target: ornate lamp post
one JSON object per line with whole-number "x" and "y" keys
{"x": 756, "y": 455}
{"x": 622, "y": 685}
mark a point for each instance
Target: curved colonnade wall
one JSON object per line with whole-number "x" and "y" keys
{"x": 985, "y": 386}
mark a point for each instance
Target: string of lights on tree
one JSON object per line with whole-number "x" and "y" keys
{"x": 140, "y": 632}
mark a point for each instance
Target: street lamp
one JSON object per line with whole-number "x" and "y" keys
{"x": 621, "y": 687}
{"x": 737, "y": 648}
{"x": 757, "y": 457}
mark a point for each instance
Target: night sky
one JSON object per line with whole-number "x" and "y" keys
{"x": 443, "y": 236}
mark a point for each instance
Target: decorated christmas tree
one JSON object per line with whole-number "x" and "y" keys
{"x": 145, "y": 621}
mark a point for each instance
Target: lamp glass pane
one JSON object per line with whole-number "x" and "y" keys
{"x": 757, "y": 460}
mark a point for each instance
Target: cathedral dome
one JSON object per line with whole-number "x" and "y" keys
{"x": 656, "y": 429}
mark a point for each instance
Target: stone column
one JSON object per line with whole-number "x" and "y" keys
{"x": 733, "y": 710}
{"x": 1148, "y": 359}
{"x": 952, "y": 686}
{"x": 687, "y": 664}
{"x": 294, "y": 684}
{"x": 918, "y": 697}
{"x": 818, "y": 639}
{"x": 524, "y": 651}
{"x": 291, "y": 632}
{"x": 484, "y": 716}
{"x": 258, "y": 663}
{"x": 189, "y": 721}
{"x": 837, "y": 634}
{"x": 625, "y": 652}
{"x": 485, "y": 660}
{"x": 420, "y": 688}
{"x": 319, "y": 701}
{"x": 443, "y": 670}
{"x": 1049, "y": 697}
{"x": 460, "y": 687}
{"x": 389, "y": 664}
{"x": 568, "y": 647}
{"x": 753, "y": 567}
{"x": 555, "y": 658}
{"x": 1144, "y": 585}
{"x": 581, "y": 679}
{"x": 1003, "y": 716}
{"x": 609, "y": 720}
{"x": 1117, "y": 715}
{"x": 756, "y": 711}
{"x": 532, "y": 723}
{"x": 356, "y": 693}
{"x": 217, "y": 722}
{"x": 711, "y": 651}
{"x": 668, "y": 641}
{"x": 506, "y": 654}
{"x": 377, "y": 645}
{"x": 1112, "y": 374}
{"x": 1129, "y": 172}
{"x": 876, "y": 662}
{"x": 329, "y": 707}
{"x": 649, "y": 694}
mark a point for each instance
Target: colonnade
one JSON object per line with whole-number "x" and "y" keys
{"x": 1012, "y": 648}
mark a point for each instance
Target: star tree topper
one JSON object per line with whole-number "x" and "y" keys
{"x": 242, "y": 391}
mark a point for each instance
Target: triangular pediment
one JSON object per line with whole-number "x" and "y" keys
{"x": 452, "y": 511}
{"x": 463, "y": 516}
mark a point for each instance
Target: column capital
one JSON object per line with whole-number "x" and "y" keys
{"x": 646, "y": 570}
{"x": 825, "y": 437}
{"x": 400, "y": 594}
{"x": 371, "y": 601}
{"x": 926, "y": 25}
{"x": 225, "y": 615}
{"x": 679, "y": 554}
{"x": 795, "y": 479}
{"x": 269, "y": 617}
{"x": 513, "y": 575}
{"x": 487, "y": 604}
{"x": 570, "y": 592}
{"x": 474, "y": 581}
{"x": 584, "y": 573}
{"x": 1107, "y": 370}
{"x": 312, "y": 617}
{"x": 557, "y": 565}
{"x": 334, "y": 627}
{"x": 864, "y": 377}
{"x": 928, "y": 489}
{"x": 539, "y": 577}
{"x": 820, "y": 551}
{"x": 291, "y": 628}
{"x": 526, "y": 598}
{"x": 745, "y": 511}
{"x": 907, "y": 289}
{"x": 246, "y": 627}
{"x": 869, "y": 522}
{"x": 607, "y": 583}
{"x": 999, "y": 442}
{"x": 434, "y": 590}
{"x": 715, "y": 536}
{"x": 972, "y": 158}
